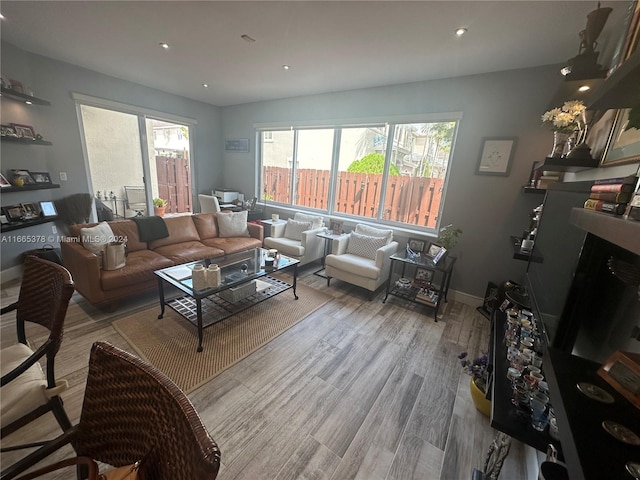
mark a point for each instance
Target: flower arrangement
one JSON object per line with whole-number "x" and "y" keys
{"x": 566, "y": 119}
{"x": 477, "y": 368}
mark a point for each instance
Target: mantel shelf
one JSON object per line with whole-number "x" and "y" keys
{"x": 617, "y": 230}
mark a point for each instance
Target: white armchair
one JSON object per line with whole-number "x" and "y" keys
{"x": 298, "y": 238}
{"x": 362, "y": 257}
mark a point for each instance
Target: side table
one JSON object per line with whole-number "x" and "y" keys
{"x": 426, "y": 271}
{"x": 328, "y": 242}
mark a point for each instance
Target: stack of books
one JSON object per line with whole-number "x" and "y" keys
{"x": 611, "y": 195}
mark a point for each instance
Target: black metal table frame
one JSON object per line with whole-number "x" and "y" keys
{"x": 181, "y": 304}
{"x": 328, "y": 242}
{"x": 446, "y": 271}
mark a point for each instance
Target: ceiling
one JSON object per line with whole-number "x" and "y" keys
{"x": 330, "y": 45}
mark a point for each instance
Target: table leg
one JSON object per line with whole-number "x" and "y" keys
{"x": 199, "y": 316}
{"x": 161, "y": 294}
{"x": 295, "y": 280}
{"x": 322, "y": 261}
{"x": 389, "y": 282}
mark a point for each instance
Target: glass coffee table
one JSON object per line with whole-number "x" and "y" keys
{"x": 208, "y": 306}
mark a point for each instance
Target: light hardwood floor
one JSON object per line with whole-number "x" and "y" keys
{"x": 359, "y": 389}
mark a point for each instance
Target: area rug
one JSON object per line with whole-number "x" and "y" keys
{"x": 170, "y": 343}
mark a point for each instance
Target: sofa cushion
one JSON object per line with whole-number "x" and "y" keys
{"x": 233, "y": 224}
{"x": 374, "y": 232}
{"x": 294, "y": 229}
{"x": 127, "y": 230}
{"x": 316, "y": 220}
{"x": 138, "y": 269}
{"x": 206, "y": 224}
{"x": 232, "y": 244}
{"x": 365, "y": 245}
{"x": 181, "y": 229}
{"x": 96, "y": 238}
{"x": 185, "y": 252}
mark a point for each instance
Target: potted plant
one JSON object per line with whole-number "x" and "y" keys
{"x": 477, "y": 369}
{"x": 159, "y": 206}
{"x": 449, "y": 236}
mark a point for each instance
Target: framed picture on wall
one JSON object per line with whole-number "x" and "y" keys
{"x": 496, "y": 155}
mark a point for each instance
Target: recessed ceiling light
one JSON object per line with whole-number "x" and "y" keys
{"x": 286, "y": 67}
{"x": 247, "y": 38}
{"x": 205, "y": 85}
{"x": 28, "y": 102}
{"x": 460, "y": 31}
{"x": 584, "y": 88}
{"x": 164, "y": 45}
{"x": 1, "y": 16}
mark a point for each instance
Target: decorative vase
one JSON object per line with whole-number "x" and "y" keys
{"x": 159, "y": 211}
{"x": 560, "y": 144}
{"x": 478, "y": 396}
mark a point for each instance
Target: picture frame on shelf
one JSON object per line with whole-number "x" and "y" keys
{"x": 24, "y": 131}
{"x": 25, "y": 175}
{"x": 496, "y": 156}
{"x": 624, "y": 144}
{"x": 30, "y": 210}
{"x": 4, "y": 183}
{"x": 416, "y": 244}
{"x": 48, "y": 209}
{"x": 600, "y": 130}
{"x": 13, "y": 212}
{"x": 8, "y": 131}
{"x": 435, "y": 252}
{"x": 423, "y": 275}
{"x": 336, "y": 227}
{"x": 41, "y": 177}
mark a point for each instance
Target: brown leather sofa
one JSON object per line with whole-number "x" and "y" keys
{"x": 191, "y": 238}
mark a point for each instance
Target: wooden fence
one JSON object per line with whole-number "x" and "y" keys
{"x": 412, "y": 200}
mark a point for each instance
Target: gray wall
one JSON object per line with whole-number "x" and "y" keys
{"x": 487, "y": 208}
{"x": 56, "y": 81}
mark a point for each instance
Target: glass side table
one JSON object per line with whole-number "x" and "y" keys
{"x": 328, "y": 241}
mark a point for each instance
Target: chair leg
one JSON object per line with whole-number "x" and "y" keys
{"x": 57, "y": 408}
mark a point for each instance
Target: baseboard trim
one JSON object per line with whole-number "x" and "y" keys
{"x": 466, "y": 298}
{"x": 11, "y": 273}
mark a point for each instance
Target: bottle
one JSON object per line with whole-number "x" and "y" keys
{"x": 198, "y": 277}
{"x": 213, "y": 275}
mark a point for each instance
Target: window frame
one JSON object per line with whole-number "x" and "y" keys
{"x": 391, "y": 122}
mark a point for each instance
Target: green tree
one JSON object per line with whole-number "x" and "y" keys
{"x": 372, "y": 163}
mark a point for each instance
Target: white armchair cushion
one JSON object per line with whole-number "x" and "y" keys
{"x": 286, "y": 246}
{"x": 294, "y": 229}
{"x": 365, "y": 245}
{"x": 316, "y": 221}
{"x": 233, "y": 224}
{"x": 25, "y": 393}
{"x": 374, "y": 232}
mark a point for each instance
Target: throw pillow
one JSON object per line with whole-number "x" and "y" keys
{"x": 316, "y": 221}
{"x": 233, "y": 224}
{"x": 96, "y": 238}
{"x": 365, "y": 245}
{"x": 374, "y": 232}
{"x": 293, "y": 230}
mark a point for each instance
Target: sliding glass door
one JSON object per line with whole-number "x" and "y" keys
{"x": 132, "y": 159}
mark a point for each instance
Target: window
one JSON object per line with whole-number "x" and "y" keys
{"x": 392, "y": 173}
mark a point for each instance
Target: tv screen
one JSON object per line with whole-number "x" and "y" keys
{"x": 558, "y": 244}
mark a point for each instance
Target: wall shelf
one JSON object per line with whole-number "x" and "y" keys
{"x": 24, "y": 188}
{"x": 617, "y": 230}
{"x": 23, "y": 97}
{"x": 564, "y": 164}
{"x": 533, "y": 190}
{"x": 518, "y": 254}
{"x": 9, "y": 227}
{"x": 621, "y": 89}
{"x": 25, "y": 141}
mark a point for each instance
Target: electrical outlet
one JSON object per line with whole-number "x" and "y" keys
{"x": 63, "y": 176}
{"x": 54, "y": 230}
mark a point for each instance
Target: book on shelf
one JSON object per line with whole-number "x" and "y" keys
{"x": 613, "y": 187}
{"x": 427, "y": 296}
{"x": 629, "y": 179}
{"x": 602, "y": 206}
{"x": 614, "y": 197}
{"x": 545, "y": 180}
